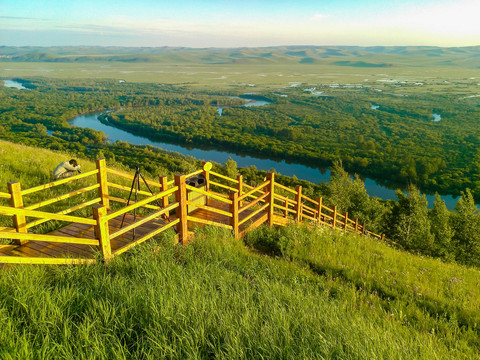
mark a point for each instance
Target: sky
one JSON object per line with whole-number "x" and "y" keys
{"x": 246, "y": 23}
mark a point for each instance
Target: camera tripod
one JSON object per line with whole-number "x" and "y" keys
{"x": 136, "y": 186}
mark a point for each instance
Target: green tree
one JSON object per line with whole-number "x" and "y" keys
{"x": 441, "y": 229}
{"x": 231, "y": 168}
{"x": 409, "y": 224}
{"x": 466, "y": 224}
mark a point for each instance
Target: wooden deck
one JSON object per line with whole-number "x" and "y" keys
{"x": 230, "y": 204}
{"x": 42, "y": 249}
{"x": 61, "y": 250}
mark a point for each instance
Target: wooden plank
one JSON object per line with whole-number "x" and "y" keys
{"x": 209, "y": 194}
{"x": 5, "y": 195}
{"x": 210, "y": 208}
{"x": 298, "y": 205}
{"x": 208, "y": 222}
{"x": 271, "y": 197}
{"x": 248, "y": 217}
{"x": 127, "y": 188}
{"x": 254, "y": 190}
{"x": 16, "y": 201}
{"x": 255, "y": 224}
{"x": 235, "y": 213}
{"x": 66, "y": 211}
{"x": 148, "y": 236}
{"x": 223, "y": 186}
{"x": 143, "y": 221}
{"x": 130, "y": 177}
{"x": 141, "y": 203}
{"x": 58, "y": 182}
{"x": 102, "y": 231}
{"x": 181, "y": 210}
{"x": 309, "y": 199}
{"x": 224, "y": 177}
{"x": 285, "y": 188}
{"x": 252, "y": 203}
{"x": 62, "y": 197}
{"x": 42, "y": 214}
{"x": 44, "y": 260}
{"x": 48, "y": 238}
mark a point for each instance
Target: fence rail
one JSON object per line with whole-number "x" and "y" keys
{"x": 236, "y": 206}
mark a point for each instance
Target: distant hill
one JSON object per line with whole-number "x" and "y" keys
{"x": 355, "y": 56}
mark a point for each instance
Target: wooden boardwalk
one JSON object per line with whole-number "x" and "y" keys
{"x": 203, "y": 197}
{"x": 61, "y": 250}
{"x": 42, "y": 249}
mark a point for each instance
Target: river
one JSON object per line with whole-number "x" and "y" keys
{"x": 304, "y": 172}
{"x": 14, "y": 84}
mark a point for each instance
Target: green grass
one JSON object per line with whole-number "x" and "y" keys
{"x": 211, "y": 299}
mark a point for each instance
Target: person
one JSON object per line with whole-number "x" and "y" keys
{"x": 66, "y": 169}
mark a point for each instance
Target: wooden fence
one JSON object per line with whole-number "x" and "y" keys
{"x": 220, "y": 201}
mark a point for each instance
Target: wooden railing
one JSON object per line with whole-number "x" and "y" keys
{"x": 220, "y": 201}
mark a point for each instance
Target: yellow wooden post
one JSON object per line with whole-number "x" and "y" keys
{"x": 16, "y": 201}
{"x": 298, "y": 205}
{"x": 356, "y": 225}
{"x": 234, "y": 211}
{"x": 285, "y": 211}
{"x": 383, "y": 237}
{"x": 164, "y": 187}
{"x": 319, "y": 209}
{"x": 364, "y": 229}
{"x": 271, "y": 197}
{"x": 334, "y": 222}
{"x": 345, "y": 221}
{"x": 102, "y": 180}
{"x": 101, "y": 231}
{"x": 181, "y": 198}
{"x": 207, "y": 166}
{"x": 240, "y": 184}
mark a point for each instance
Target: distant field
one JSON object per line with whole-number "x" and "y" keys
{"x": 253, "y": 77}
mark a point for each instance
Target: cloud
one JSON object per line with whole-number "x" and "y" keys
{"x": 318, "y": 17}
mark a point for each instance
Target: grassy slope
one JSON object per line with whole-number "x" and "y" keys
{"x": 323, "y": 295}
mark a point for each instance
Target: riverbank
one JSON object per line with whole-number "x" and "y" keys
{"x": 314, "y": 175}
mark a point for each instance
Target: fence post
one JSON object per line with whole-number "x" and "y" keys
{"x": 240, "y": 186}
{"x": 101, "y": 231}
{"x": 383, "y": 237}
{"x": 334, "y": 222}
{"x": 207, "y": 166}
{"x": 364, "y": 229}
{"x": 163, "y": 187}
{"x": 345, "y": 221}
{"x": 102, "y": 180}
{"x": 181, "y": 211}
{"x": 356, "y": 225}
{"x": 285, "y": 212}
{"x": 16, "y": 201}
{"x": 319, "y": 210}
{"x": 298, "y": 205}
{"x": 271, "y": 197}
{"x": 234, "y": 211}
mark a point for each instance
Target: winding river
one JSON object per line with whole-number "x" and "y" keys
{"x": 304, "y": 172}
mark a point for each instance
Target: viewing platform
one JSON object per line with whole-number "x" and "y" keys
{"x": 116, "y": 222}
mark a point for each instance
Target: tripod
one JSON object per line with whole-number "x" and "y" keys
{"x": 136, "y": 186}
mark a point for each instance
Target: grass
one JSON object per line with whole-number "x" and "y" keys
{"x": 211, "y": 299}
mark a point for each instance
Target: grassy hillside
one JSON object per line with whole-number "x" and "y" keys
{"x": 285, "y": 293}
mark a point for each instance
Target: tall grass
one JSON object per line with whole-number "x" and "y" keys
{"x": 211, "y": 299}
